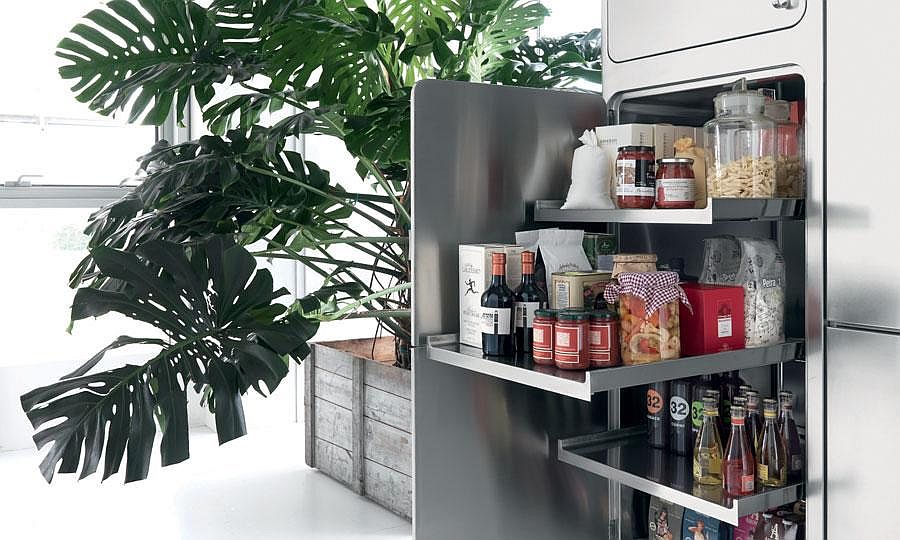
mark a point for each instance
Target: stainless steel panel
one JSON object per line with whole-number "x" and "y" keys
{"x": 863, "y": 442}
{"x": 480, "y": 152}
{"x": 716, "y": 210}
{"x": 640, "y": 29}
{"x": 584, "y": 384}
{"x": 624, "y": 456}
{"x": 486, "y": 463}
{"x": 862, "y": 215}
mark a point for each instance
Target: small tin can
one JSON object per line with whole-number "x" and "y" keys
{"x": 570, "y": 340}
{"x": 544, "y": 326}
{"x": 603, "y": 341}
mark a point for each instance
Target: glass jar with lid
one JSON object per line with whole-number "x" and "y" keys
{"x": 739, "y": 146}
{"x": 633, "y": 262}
{"x": 790, "y": 168}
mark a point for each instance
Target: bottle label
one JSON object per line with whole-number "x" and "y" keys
{"x": 525, "y": 314}
{"x": 600, "y": 338}
{"x": 496, "y": 321}
{"x": 747, "y": 483}
{"x": 678, "y": 408}
{"x": 697, "y": 413}
{"x": 762, "y": 472}
{"x": 569, "y": 339}
{"x": 543, "y": 335}
{"x": 635, "y": 178}
{"x": 676, "y": 189}
{"x": 654, "y": 402}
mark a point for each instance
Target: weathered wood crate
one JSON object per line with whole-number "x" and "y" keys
{"x": 359, "y": 424}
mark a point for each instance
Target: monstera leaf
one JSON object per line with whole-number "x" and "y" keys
{"x": 148, "y": 57}
{"x": 551, "y": 62}
{"x": 224, "y": 333}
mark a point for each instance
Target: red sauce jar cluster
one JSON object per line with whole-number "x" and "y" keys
{"x": 603, "y": 343}
{"x": 570, "y": 340}
{"x": 675, "y": 183}
{"x": 635, "y": 177}
{"x": 544, "y": 326}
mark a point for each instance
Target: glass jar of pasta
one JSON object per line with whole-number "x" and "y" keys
{"x": 740, "y": 149}
{"x": 649, "y": 328}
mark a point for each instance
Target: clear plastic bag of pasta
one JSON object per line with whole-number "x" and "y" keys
{"x": 648, "y": 315}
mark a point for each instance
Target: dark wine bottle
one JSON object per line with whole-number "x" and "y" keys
{"x": 496, "y": 311}
{"x": 658, "y": 414}
{"x": 681, "y": 435}
{"x": 528, "y": 299}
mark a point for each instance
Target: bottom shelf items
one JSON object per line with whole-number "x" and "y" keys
{"x": 624, "y": 456}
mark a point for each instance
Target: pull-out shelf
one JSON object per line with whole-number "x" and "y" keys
{"x": 584, "y": 384}
{"x": 717, "y": 210}
{"x": 624, "y": 457}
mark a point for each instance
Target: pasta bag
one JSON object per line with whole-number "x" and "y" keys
{"x": 686, "y": 148}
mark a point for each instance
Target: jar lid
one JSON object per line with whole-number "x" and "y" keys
{"x": 551, "y": 313}
{"x": 778, "y": 110}
{"x": 604, "y": 315}
{"x": 574, "y": 315}
{"x": 635, "y": 149}
{"x": 634, "y": 257}
{"x": 678, "y": 160}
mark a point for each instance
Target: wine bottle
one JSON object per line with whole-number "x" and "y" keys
{"x": 739, "y": 465}
{"x": 528, "y": 299}
{"x": 788, "y": 428}
{"x": 771, "y": 466}
{"x": 708, "y": 448}
{"x": 681, "y": 435}
{"x": 496, "y": 311}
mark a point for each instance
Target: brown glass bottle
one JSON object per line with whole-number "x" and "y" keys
{"x": 754, "y": 422}
{"x": 791, "y": 436}
{"x": 496, "y": 311}
{"x": 708, "y": 447}
{"x": 528, "y": 299}
{"x": 738, "y": 463}
{"x": 771, "y": 466}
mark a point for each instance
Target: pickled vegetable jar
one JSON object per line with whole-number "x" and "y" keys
{"x": 649, "y": 328}
{"x": 740, "y": 150}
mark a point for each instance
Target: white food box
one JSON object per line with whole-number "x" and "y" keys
{"x": 663, "y": 141}
{"x": 475, "y": 277}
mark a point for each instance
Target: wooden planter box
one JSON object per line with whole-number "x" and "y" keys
{"x": 359, "y": 421}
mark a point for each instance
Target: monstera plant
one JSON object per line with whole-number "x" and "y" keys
{"x": 179, "y": 251}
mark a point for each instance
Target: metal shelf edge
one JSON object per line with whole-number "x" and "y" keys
{"x": 716, "y": 210}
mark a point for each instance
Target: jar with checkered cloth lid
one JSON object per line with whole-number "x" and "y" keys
{"x": 648, "y": 315}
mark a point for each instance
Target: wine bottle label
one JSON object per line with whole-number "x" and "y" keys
{"x": 525, "y": 313}
{"x": 496, "y": 321}
{"x": 678, "y": 408}
{"x": 762, "y": 472}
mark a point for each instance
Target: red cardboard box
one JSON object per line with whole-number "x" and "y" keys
{"x": 717, "y": 323}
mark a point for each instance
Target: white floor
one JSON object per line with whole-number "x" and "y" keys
{"x": 254, "y": 488}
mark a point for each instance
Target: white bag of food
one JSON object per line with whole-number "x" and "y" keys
{"x": 756, "y": 265}
{"x": 559, "y": 250}
{"x": 590, "y": 177}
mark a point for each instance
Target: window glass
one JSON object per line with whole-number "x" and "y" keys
{"x": 44, "y": 130}
{"x": 568, "y": 16}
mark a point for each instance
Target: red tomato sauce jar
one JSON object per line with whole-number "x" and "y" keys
{"x": 603, "y": 343}
{"x": 635, "y": 177}
{"x": 544, "y": 326}
{"x": 570, "y": 340}
{"x": 675, "y": 183}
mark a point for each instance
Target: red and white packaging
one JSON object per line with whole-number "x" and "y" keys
{"x": 717, "y": 321}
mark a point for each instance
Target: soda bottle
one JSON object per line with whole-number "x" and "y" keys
{"x": 708, "y": 448}
{"x": 739, "y": 465}
{"x": 681, "y": 435}
{"x": 754, "y": 422}
{"x": 658, "y": 414}
{"x": 716, "y": 395}
{"x": 788, "y": 428}
{"x": 698, "y": 392}
{"x": 771, "y": 466}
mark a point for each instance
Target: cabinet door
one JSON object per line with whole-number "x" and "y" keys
{"x": 863, "y": 442}
{"x": 862, "y": 218}
{"x": 649, "y": 27}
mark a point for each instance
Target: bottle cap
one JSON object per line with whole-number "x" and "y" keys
{"x": 752, "y": 397}
{"x": 739, "y": 400}
{"x": 710, "y": 406}
{"x": 548, "y": 313}
{"x": 786, "y": 396}
{"x": 604, "y": 315}
{"x": 769, "y": 408}
{"x": 737, "y": 415}
{"x": 742, "y": 389}
{"x": 573, "y": 315}
{"x": 498, "y": 263}
{"x": 715, "y": 394}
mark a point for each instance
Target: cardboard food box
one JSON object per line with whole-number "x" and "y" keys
{"x": 717, "y": 321}
{"x": 600, "y": 248}
{"x": 664, "y": 520}
{"x": 577, "y": 289}
{"x": 475, "y": 277}
{"x": 663, "y": 140}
